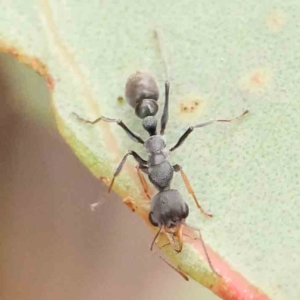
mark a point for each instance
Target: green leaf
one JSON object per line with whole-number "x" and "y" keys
{"x": 222, "y": 58}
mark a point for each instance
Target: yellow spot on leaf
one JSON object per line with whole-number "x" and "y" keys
{"x": 105, "y": 180}
{"x": 120, "y": 99}
{"x": 190, "y": 104}
{"x": 256, "y": 80}
{"x": 276, "y": 20}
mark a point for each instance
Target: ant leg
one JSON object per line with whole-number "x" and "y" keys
{"x": 144, "y": 168}
{"x": 205, "y": 250}
{"x": 143, "y": 180}
{"x": 178, "y": 270}
{"x": 119, "y": 168}
{"x": 156, "y": 237}
{"x": 130, "y": 133}
{"x": 165, "y": 115}
{"x": 191, "y": 128}
{"x": 178, "y": 168}
{"x": 161, "y": 49}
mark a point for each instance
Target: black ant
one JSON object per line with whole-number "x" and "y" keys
{"x": 168, "y": 210}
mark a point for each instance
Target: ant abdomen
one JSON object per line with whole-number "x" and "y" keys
{"x": 141, "y": 92}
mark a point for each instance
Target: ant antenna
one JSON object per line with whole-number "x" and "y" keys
{"x": 155, "y": 238}
{"x": 157, "y": 36}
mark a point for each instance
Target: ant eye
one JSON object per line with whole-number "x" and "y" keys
{"x": 152, "y": 220}
{"x": 185, "y": 211}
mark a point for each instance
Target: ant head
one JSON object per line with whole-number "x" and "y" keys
{"x": 145, "y": 108}
{"x": 168, "y": 209}
{"x": 150, "y": 124}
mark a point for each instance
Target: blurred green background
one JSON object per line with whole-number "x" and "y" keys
{"x": 52, "y": 245}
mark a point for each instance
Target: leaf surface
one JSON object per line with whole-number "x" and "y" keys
{"x": 222, "y": 58}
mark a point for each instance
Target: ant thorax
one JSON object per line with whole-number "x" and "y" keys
{"x": 155, "y": 144}
{"x": 156, "y": 148}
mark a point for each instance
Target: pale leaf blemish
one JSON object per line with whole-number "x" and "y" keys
{"x": 105, "y": 180}
{"x": 67, "y": 58}
{"x": 94, "y": 206}
{"x": 50, "y": 82}
{"x": 65, "y": 55}
{"x": 190, "y": 105}
{"x": 120, "y": 99}
{"x": 256, "y": 80}
{"x": 276, "y": 20}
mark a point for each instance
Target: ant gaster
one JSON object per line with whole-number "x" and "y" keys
{"x": 168, "y": 210}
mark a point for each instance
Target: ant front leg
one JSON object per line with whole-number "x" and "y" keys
{"x": 204, "y": 249}
{"x": 177, "y": 270}
{"x": 178, "y": 168}
{"x": 191, "y": 128}
{"x": 135, "y": 137}
{"x": 139, "y": 160}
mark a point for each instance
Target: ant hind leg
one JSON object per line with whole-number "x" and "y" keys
{"x": 143, "y": 181}
{"x": 178, "y": 168}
